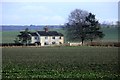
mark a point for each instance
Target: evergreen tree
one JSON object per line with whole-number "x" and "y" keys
{"x": 24, "y": 37}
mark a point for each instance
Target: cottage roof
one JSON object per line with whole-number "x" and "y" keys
{"x": 49, "y": 33}
{"x": 33, "y": 34}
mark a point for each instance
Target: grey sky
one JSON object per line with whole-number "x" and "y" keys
{"x": 26, "y": 13}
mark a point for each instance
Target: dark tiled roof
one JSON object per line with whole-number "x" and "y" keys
{"x": 33, "y": 34}
{"x": 49, "y": 33}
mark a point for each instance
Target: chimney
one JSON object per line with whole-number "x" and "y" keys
{"x": 46, "y": 29}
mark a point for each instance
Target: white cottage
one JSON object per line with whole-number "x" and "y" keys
{"x": 46, "y": 38}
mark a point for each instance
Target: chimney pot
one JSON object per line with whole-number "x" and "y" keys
{"x": 46, "y": 29}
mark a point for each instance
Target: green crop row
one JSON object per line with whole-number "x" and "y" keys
{"x": 61, "y": 62}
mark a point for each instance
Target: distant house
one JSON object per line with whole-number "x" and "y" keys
{"x": 46, "y": 38}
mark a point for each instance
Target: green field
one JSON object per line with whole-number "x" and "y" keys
{"x": 93, "y": 63}
{"x": 9, "y": 36}
{"x": 111, "y": 35}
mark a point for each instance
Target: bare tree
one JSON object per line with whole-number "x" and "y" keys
{"x": 76, "y": 26}
{"x": 82, "y": 26}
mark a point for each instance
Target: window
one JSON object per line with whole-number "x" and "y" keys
{"x": 60, "y": 42}
{"x": 46, "y": 37}
{"x": 46, "y": 43}
{"x": 60, "y": 37}
{"x": 36, "y": 37}
{"x": 53, "y": 37}
{"x": 53, "y": 42}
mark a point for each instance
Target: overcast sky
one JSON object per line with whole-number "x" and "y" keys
{"x": 37, "y": 13}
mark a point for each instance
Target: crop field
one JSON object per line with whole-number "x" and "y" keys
{"x": 83, "y": 62}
